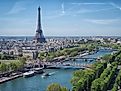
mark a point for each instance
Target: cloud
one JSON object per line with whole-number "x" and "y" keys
{"x": 115, "y": 5}
{"x": 103, "y": 22}
{"x": 88, "y": 3}
{"x": 74, "y": 9}
{"x": 12, "y": 21}
{"x": 90, "y": 11}
{"x": 17, "y": 7}
{"x": 112, "y": 4}
{"x": 63, "y": 8}
{"x": 59, "y": 13}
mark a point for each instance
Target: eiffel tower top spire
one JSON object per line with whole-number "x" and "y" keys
{"x": 39, "y": 27}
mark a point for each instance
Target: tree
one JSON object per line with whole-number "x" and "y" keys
{"x": 74, "y": 80}
{"x": 13, "y": 66}
{"x": 96, "y": 85}
{"x": 107, "y": 57}
{"x": 3, "y": 56}
{"x": 19, "y": 65}
{"x": 64, "y": 89}
{"x": 42, "y": 55}
{"x": 91, "y": 47}
{"x": 23, "y": 59}
{"x": 16, "y": 65}
{"x": 3, "y": 67}
{"x": 54, "y": 87}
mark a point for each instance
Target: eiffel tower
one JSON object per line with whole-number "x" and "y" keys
{"x": 39, "y": 37}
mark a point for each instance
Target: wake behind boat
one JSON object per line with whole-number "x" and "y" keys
{"x": 47, "y": 74}
{"x": 52, "y": 73}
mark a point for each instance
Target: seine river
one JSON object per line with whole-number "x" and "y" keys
{"x": 37, "y": 83}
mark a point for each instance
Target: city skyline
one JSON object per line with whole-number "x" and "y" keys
{"x": 61, "y": 17}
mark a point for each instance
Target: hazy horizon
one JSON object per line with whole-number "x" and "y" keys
{"x": 61, "y": 17}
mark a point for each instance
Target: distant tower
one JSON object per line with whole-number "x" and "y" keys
{"x": 39, "y": 37}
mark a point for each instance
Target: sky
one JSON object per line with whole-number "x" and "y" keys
{"x": 61, "y": 17}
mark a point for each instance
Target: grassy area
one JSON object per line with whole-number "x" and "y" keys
{"x": 8, "y": 61}
{"x": 10, "y": 65}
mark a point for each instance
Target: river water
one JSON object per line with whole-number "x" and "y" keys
{"x": 37, "y": 83}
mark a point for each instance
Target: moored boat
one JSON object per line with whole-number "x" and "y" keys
{"x": 38, "y": 70}
{"x": 28, "y": 74}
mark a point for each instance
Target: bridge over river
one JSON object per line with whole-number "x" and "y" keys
{"x": 73, "y": 65}
{"x": 82, "y": 58}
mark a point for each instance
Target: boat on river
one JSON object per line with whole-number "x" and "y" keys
{"x": 38, "y": 70}
{"x": 48, "y": 74}
{"x": 45, "y": 75}
{"x": 28, "y": 74}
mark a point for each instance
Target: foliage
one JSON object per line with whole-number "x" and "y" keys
{"x": 102, "y": 83}
{"x": 3, "y": 67}
{"x": 117, "y": 82}
{"x": 11, "y": 66}
{"x": 107, "y": 57}
{"x": 64, "y": 89}
{"x": 56, "y": 87}
{"x": 82, "y": 79}
{"x": 4, "y": 56}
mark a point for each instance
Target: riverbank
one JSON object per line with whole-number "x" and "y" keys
{"x": 12, "y": 76}
{"x": 5, "y": 79}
